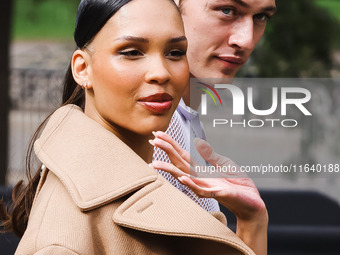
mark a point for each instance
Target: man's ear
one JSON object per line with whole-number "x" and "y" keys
{"x": 80, "y": 68}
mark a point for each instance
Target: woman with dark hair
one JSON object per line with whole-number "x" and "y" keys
{"x": 95, "y": 192}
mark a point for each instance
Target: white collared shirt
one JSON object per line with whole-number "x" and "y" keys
{"x": 184, "y": 127}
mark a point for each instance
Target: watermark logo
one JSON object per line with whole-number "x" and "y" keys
{"x": 204, "y": 96}
{"x": 280, "y": 97}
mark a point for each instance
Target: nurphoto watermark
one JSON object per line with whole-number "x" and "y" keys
{"x": 268, "y": 127}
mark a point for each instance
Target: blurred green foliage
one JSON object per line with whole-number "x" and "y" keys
{"x": 298, "y": 42}
{"x": 332, "y": 5}
{"x": 44, "y": 19}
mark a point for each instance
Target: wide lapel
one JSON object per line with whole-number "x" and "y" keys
{"x": 98, "y": 168}
{"x": 94, "y": 165}
{"x": 161, "y": 208}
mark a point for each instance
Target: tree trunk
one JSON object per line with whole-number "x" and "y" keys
{"x": 5, "y": 28}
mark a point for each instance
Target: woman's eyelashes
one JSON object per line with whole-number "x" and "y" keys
{"x": 131, "y": 53}
{"x": 135, "y": 54}
{"x": 176, "y": 54}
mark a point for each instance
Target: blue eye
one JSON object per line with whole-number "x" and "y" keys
{"x": 227, "y": 11}
{"x": 262, "y": 17}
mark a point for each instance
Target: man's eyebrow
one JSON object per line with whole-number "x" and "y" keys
{"x": 269, "y": 9}
{"x": 240, "y": 2}
{"x": 132, "y": 39}
{"x": 245, "y": 5}
{"x": 178, "y": 39}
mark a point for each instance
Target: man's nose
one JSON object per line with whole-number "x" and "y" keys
{"x": 242, "y": 34}
{"x": 158, "y": 71}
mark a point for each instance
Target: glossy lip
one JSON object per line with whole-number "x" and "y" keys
{"x": 159, "y": 103}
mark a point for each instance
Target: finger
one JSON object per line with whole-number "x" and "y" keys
{"x": 230, "y": 175}
{"x": 200, "y": 191}
{"x": 168, "y": 145}
{"x": 215, "y": 159}
{"x": 183, "y": 153}
{"x": 215, "y": 183}
{"x": 180, "y": 151}
{"x": 208, "y": 153}
{"x": 168, "y": 167}
{"x": 175, "y": 158}
{"x": 246, "y": 182}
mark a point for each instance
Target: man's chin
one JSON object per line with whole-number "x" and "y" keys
{"x": 216, "y": 77}
{"x": 215, "y": 73}
{"x": 227, "y": 73}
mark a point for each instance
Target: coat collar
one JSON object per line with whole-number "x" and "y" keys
{"x": 85, "y": 157}
{"x": 162, "y": 209}
{"x": 92, "y": 164}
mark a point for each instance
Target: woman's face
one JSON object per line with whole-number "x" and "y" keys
{"x": 137, "y": 68}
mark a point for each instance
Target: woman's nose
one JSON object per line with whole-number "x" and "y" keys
{"x": 158, "y": 71}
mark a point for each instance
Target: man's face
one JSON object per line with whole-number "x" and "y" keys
{"x": 223, "y": 33}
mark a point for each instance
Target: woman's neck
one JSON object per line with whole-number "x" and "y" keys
{"x": 137, "y": 142}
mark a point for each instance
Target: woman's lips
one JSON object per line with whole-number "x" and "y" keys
{"x": 158, "y": 103}
{"x": 157, "y": 107}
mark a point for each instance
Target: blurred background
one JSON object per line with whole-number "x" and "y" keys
{"x": 301, "y": 41}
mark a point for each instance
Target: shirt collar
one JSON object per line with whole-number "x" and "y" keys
{"x": 186, "y": 111}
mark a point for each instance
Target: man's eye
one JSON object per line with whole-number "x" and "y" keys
{"x": 228, "y": 11}
{"x": 262, "y": 17}
{"x": 130, "y": 53}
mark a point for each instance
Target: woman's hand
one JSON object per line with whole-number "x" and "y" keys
{"x": 237, "y": 191}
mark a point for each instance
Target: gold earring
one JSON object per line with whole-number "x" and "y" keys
{"x": 84, "y": 86}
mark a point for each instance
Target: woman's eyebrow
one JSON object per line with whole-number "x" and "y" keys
{"x": 132, "y": 39}
{"x": 145, "y": 40}
{"x": 178, "y": 39}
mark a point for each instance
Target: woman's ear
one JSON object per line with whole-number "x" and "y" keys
{"x": 80, "y": 68}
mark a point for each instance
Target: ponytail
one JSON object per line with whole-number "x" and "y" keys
{"x": 14, "y": 218}
{"x": 91, "y": 17}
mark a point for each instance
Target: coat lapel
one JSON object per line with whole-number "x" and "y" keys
{"x": 161, "y": 208}
{"x": 95, "y": 166}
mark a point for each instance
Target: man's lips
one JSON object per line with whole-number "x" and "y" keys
{"x": 158, "y": 103}
{"x": 235, "y": 60}
{"x": 231, "y": 62}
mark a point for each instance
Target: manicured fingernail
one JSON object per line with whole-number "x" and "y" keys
{"x": 180, "y": 179}
{"x": 150, "y": 165}
{"x": 154, "y": 133}
{"x": 152, "y": 142}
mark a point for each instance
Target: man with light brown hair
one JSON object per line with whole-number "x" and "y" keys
{"x": 221, "y": 35}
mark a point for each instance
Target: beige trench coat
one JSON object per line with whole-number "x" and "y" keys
{"x": 99, "y": 197}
